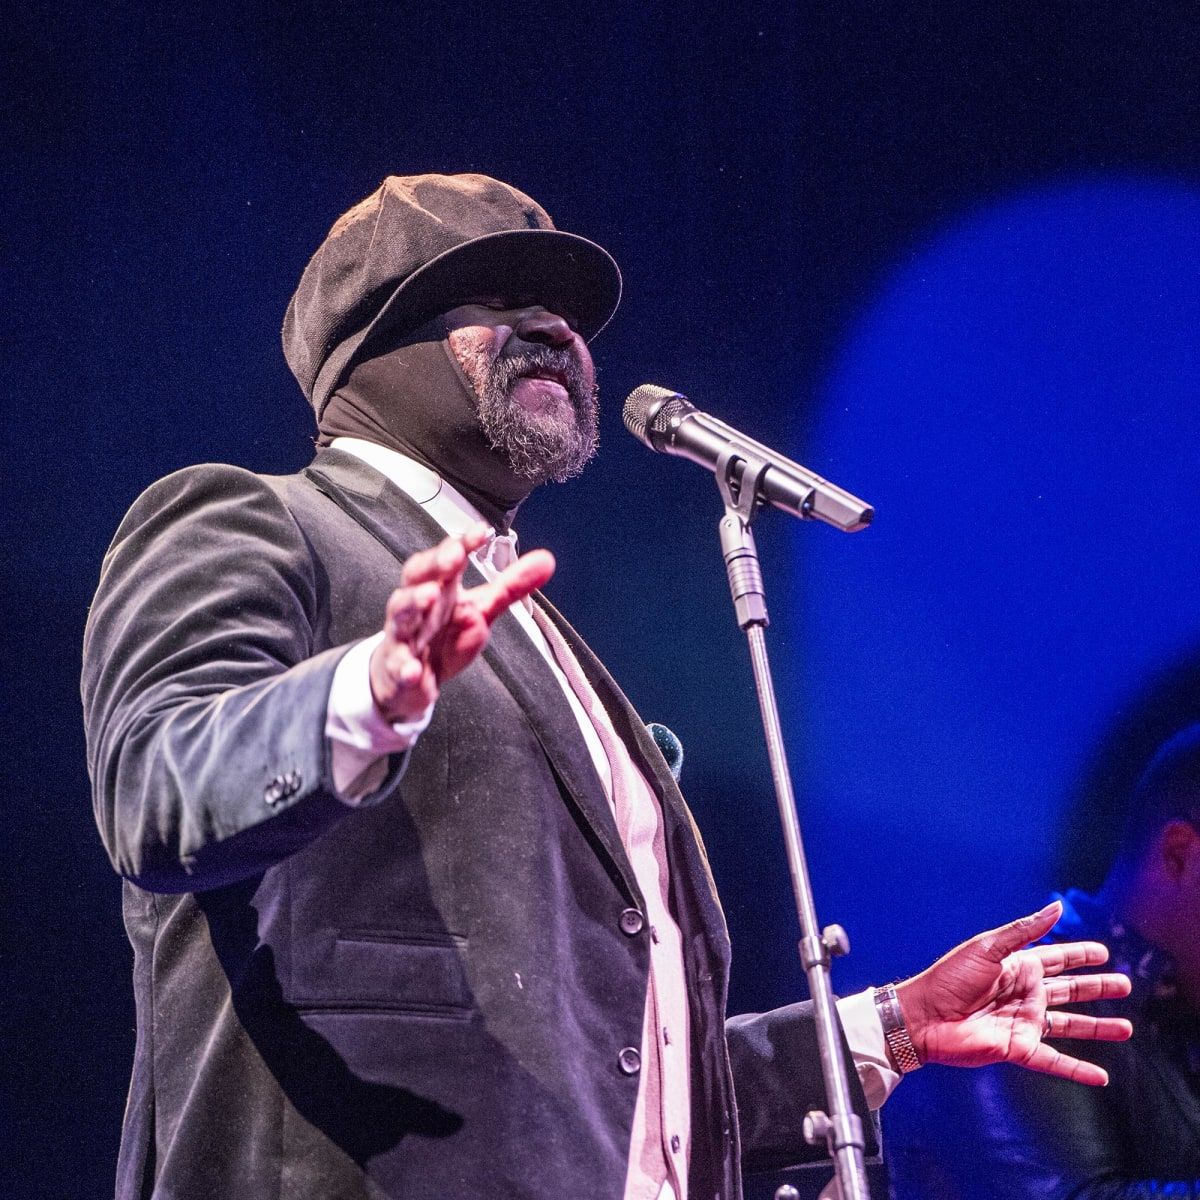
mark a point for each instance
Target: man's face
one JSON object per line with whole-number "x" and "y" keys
{"x": 534, "y": 384}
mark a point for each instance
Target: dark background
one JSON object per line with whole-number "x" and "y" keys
{"x": 945, "y": 253}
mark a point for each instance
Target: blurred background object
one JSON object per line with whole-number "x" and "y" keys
{"x": 1003, "y": 1134}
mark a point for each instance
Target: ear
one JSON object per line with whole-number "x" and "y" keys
{"x": 1179, "y": 849}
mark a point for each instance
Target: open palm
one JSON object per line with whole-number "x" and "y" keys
{"x": 995, "y": 999}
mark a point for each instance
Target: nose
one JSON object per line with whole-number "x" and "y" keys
{"x": 543, "y": 327}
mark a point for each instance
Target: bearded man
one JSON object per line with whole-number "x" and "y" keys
{"x": 416, "y": 905}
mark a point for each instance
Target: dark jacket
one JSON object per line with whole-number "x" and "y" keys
{"x": 425, "y": 997}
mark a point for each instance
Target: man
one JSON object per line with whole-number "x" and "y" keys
{"x": 416, "y": 905}
{"x": 1016, "y": 1136}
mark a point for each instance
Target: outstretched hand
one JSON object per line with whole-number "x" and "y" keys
{"x": 992, "y": 1000}
{"x": 433, "y": 628}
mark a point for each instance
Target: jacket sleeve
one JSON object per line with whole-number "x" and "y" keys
{"x": 776, "y": 1066}
{"x": 204, "y": 704}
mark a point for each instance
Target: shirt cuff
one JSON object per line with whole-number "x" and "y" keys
{"x": 868, "y": 1047}
{"x": 360, "y": 737}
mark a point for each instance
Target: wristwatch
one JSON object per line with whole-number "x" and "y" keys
{"x": 895, "y": 1032}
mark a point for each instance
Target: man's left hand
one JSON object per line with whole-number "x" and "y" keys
{"x": 994, "y": 999}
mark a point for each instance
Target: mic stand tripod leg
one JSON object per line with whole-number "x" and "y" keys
{"x": 840, "y": 1128}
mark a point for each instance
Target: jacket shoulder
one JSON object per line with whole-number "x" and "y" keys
{"x": 215, "y": 482}
{"x": 219, "y": 493}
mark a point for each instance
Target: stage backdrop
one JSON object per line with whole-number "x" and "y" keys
{"x": 945, "y": 254}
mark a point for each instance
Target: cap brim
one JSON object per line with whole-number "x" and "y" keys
{"x": 562, "y": 271}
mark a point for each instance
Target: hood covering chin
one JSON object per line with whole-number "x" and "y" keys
{"x": 414, "y": 398}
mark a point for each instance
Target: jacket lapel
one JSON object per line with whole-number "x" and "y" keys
{"x": 682, "y": 832}
{"x": 403, "y": 527}
{"x": 525, "y": 673}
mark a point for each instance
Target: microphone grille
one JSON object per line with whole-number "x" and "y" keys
{"x": 649, "y": 409}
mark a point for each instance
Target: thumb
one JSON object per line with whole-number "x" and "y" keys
{"x": 997, "y": 944}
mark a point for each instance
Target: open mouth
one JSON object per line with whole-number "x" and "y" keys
{"x": 552, "y": 374}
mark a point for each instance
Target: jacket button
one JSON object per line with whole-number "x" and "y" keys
{"x": 630, "y": 1061}
{"x": 632, "y": 922}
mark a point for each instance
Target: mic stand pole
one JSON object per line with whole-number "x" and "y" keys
{"x": 840, "y": 1128}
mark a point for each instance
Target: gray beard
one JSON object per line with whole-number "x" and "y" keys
{"x": 540, "y": 446}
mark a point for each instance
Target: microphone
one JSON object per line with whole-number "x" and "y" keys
{"x": 670, "y": 423}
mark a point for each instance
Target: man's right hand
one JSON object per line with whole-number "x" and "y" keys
{"x": 433, "y": 629}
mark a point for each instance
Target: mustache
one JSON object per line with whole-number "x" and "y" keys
{"x": 540, "y": 446}
{"x": 559, "y": 363}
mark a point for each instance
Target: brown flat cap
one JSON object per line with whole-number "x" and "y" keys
{"x": 421, "y": 244}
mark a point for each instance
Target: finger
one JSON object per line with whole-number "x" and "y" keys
{"x": 439, "y": 613}
{"x": 402, "y": 686}
{"x": 1092, "y": 1029}
{"x": 476, "y": 536}
{"x": 1066, "y": 956}
{"x": 998, "y": 944}
{"x": 1049, "y": 1061}
{"x": 1083, "y": 989}
{"x": 403, "y": 667}
{"x": 445, "y": 560}
{"x": 407, "y": 608}
{"x": 530, "y": 572}
{"x": 422, "y": 566}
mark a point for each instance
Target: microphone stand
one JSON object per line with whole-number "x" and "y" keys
{"x": 840, "y": 1128}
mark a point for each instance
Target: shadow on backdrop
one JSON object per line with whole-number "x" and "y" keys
{"x": 1091, "y": 825}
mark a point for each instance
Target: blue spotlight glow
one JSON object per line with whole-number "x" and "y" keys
{"x": 1021, "y": 402}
